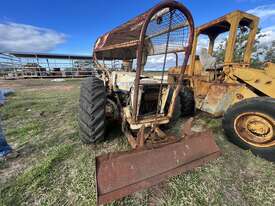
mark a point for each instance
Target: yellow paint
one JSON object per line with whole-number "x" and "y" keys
{"x": 259, "y": 79}
{"x": 240, "y": 80}
{"x": 244, "y": 92}
{"x": 256, "y": 129}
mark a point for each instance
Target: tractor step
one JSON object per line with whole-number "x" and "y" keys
{"x": 120, "y": 174}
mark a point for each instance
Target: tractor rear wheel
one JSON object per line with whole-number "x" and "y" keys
{"x": 250, "y": 124}
{"x": 92, "y": 104}
{"x": 187, "y": 102}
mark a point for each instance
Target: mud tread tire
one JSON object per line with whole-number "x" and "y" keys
{"x": 91, "y": 117}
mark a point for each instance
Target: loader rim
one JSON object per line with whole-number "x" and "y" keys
{"x": 256, "y": 129}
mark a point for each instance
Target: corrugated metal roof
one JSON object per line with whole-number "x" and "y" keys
{"x": 50, "y": 56}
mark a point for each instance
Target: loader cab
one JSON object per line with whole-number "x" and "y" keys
{"x": 223, "y": 34}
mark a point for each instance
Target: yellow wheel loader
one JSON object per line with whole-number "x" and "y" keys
{"x": 243, "y": 95}
{"x": 142, "y": 102}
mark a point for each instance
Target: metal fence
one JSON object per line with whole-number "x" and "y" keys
{"x": 9, "y": 65}
{"x": 26, "y": 65}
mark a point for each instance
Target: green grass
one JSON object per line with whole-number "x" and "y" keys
{"x": 55, "y": 168}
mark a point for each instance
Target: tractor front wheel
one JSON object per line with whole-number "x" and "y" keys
{"x": 92, "y": 104}
{"x": 251, "y": 125}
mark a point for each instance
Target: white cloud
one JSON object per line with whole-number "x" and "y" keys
{"x": 269, "y": 33}
{"x": 203, "y": 42}
{"x": 155, "y": 63}
{"x": 267, "y": 20}
{"x": 160, "y": 58}
{"x": 264, "y": 11}
{"x": 27, "y": 38}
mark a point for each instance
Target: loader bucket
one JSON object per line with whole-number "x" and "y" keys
{"x": 120, "y": 174}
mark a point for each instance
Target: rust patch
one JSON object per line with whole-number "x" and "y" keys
{"x": 239, "y": 96}
{"x": 120, "y": 174}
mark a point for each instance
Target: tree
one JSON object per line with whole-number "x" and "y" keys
{"x": 219, "y": 52}
{"x": 270, "y": 53}
{"x": 240, "y": 46}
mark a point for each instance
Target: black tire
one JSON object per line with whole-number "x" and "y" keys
{"x": 177, "y": 111}
{"x": 92, "y": 110}
{"x": 187, "y": 101}
{"x": 263, "y": 105}
{"x": 176, "y": 115}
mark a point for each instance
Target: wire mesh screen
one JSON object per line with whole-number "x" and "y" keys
{"x": 167, "y": 22}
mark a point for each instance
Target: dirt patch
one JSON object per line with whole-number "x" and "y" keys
{"x": 14, "y": 167}
{"x": 52, "y": 88}
{"x": 35, "y": 85}
{"x": 8, "y": 84}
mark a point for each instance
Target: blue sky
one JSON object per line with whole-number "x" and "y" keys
{"x": 71, "y": 27}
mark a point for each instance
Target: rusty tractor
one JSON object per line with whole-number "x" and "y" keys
{"x": 142, "y": 102}
{"x": 231, "y": 88}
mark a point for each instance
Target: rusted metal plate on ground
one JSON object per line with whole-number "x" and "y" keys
{"x": 120, "y": 174}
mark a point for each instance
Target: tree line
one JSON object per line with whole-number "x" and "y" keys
{"x": 261, "y": 53}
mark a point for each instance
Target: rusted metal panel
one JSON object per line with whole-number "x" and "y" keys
{"x": 219, "y": 97}
{"x": 120, "y": 174}
{"x": 125, "y": 36}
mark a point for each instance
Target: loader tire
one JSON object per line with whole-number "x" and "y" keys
{"x": 187, "y": 102}
{"x": 250, "y": 124}
{"x": 92, "y": 110}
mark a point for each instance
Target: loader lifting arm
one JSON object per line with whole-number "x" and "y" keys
{"x": 259, "y": 81}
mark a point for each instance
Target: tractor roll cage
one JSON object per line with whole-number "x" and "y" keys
{"x": 123, "y": 42}
{"x": 136, "y": 39}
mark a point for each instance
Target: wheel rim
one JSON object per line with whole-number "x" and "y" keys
{"x": 256, "y": 129}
